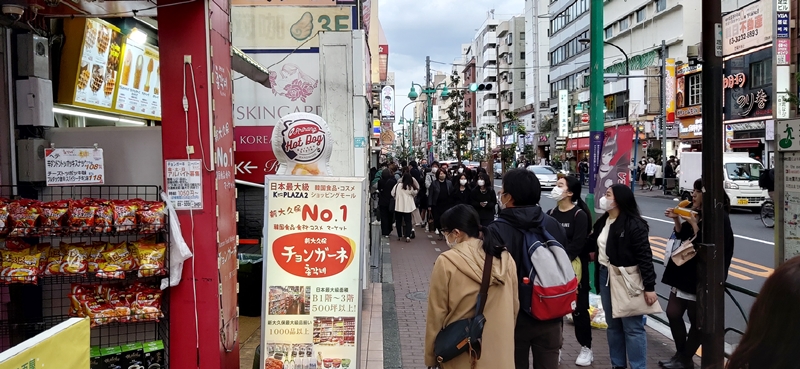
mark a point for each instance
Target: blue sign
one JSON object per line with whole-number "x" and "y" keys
{"x": 360, "y": 142}
{"x": 782, "y": 20}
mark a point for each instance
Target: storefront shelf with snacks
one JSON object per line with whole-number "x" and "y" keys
{"x": 109, "y": 275}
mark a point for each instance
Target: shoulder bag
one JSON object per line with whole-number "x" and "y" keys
{"x": 627, "y": 297}
{"x": 684, "y": 253}
{"x": 465, "y": 334}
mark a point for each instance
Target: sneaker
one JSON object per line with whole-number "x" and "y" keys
{"x": 585, "y": 358}
{"x": 559, "y": 357}
{"x": 437, "y": 231}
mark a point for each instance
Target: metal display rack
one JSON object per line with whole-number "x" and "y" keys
{"x": 27, "y": 309}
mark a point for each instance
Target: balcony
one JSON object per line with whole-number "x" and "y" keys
{"x": 489, "y": 38}
{"x": 490, "y": 55}
{"x": 488, "y": 119}
{"x": 489, "y": 105}
{"x": 489, "y": 74}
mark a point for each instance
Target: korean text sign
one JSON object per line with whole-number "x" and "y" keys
{"x": 76, "y": 166}
{"x": 313, "y": 255}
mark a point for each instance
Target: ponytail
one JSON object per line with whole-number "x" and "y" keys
{"x": 491, "y": 243}
{"x": 583, "y": 206}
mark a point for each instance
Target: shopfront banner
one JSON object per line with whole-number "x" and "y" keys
{"x": 254, "y": 155}
{"x": 615, "y": 160}
{"x": 313, "y": 253}
{"x": 303, "y": 143}
{"x": 748, "y": 27}
{"x": 64, "y": 346}
{"x": 74, "y": 166}
{"x": 670, "y": 89}
{"x": 387, "y": 103}
{"x": 747, "y": 89}
{"x": 288, "y": 27}
{"x": 139, "y": 81}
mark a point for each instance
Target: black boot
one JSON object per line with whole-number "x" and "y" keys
{"x": 682, "y": 362}
{"x": 671, "y": 360}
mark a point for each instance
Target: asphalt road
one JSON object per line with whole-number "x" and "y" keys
{"x": 753, "y": 253}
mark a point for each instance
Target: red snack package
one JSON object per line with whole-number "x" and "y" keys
{"x": 103, "y": 217}
{"x": 77, "y": 295}
{"x": 54, "y": 215}
{"x": 99, "y": 311}
{"x": 4, "y": 229}
{"x": 151, "y": 217}
{"x": 14, "y": 244}
{"x": 122, "y": 306}
{"x": 147, "y": 306}
{"x": 124, "y": 215}
{"x": 24, "y": 214}
{"x": 81, "y": 216}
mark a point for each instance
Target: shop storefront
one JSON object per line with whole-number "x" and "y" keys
{"x": 544, "y": 145}
{"x": 578, "y": 147}
{"x": 689, "y": 112}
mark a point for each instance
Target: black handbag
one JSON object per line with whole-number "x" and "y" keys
{"x": 465, "y": 334}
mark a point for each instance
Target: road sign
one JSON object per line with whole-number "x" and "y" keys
{"x": 585, "y": 118}
{"x": 253, "y": 156}
{"x": 644, "y": 144}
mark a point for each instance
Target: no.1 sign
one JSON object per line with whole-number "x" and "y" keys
{"x": 254, "y": 156}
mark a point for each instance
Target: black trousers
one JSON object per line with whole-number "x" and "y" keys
{"x": 686, "y": 343}
{"x": 544, "y": 338}
{"x": 583, "y": 327}
{"x": 387, "y": 218}
{"x": 404, "y": 225}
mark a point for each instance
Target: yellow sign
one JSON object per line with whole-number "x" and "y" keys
{"x": 63, "y": 346}
{"x": 286, "y": 27}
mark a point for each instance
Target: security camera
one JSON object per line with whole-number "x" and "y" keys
{"x": 13, "y": 10}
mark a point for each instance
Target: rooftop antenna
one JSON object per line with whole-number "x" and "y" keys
{"x": 491, "y": 14}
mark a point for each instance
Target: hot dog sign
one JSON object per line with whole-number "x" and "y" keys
{"x": 302, "y": 143}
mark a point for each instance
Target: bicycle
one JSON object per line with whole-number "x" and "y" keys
{"x": 768, "y": 214}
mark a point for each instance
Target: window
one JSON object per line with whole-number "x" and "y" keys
{"x": 522, "y": 55}
{"x": 509, "y": 38}
{"x": 522, "y": 75}
{"x": 761, "y": 73}
{"x": 609, "y": 32}
{"x": 743, "y": 171}
{"x": 510, "y": 77}
{"x": 511, "y": 97}
{"x": 661, "y": 5}
{"x": 695, "y": 82}
{"x": 624, "y": 24}
{"x": 522, "y": 95}
{"x": 522, "y": 35}
{"x": 641, "y": 15}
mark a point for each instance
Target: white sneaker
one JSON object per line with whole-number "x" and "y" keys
{"x": 559, "y": 357}
{"x": 437, "y": 231}
{"x": 585, "y": 358}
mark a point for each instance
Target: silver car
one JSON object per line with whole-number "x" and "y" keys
{"x": 548, "y": 176}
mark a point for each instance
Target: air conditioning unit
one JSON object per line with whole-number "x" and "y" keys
{"x": 33, "y": 56}
{"x": 543, "y": 105}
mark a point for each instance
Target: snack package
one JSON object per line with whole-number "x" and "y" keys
{"x": 124, "y": 215}
{"x": 24, "y": 215}
{"x": 44, "y": 250}
{"x": 14, "y": 244}
{"x": 77, "y": 295}
{"x": 53, "y": 260}
{"x": 96, "y": 256}
{"x": 117, "y": 260}
{"x": 81, "y": 216}
{"x": 151, "y": 217}
{"x": 75, "y": 260}
{"x": 147, "y": 306}
{"x": 4, "y": 229}
{"x": 103, "y": 217}
{"x": 20, "y": 266}
{"x": 99, "y": 311}
{"x": 150, "y": 258}
{"x": 122, "y": 306}
{"x": 54, "y": 216}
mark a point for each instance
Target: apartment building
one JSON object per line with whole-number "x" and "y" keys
{"x": 568, "y": 59}
{"x": 537, "y": 64}
{"x": 511, "y": 66}
{"x": 468, "y": 72}
{"x": 485, "y": 49}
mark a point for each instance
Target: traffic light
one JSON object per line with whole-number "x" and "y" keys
{"x": 479, "y": 87}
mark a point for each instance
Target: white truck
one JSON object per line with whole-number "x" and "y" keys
{"x": 740, "y": 173}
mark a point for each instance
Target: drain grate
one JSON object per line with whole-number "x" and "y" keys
{"x": 418, "y": 296}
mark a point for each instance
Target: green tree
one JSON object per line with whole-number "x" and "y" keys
{"x": 458, "y": 121}
{"x": 503, "y": 130}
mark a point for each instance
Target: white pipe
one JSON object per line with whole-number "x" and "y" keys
{"x": 11, "y": 112}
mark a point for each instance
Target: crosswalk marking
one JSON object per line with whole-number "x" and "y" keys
{"x": 659, "y": 246}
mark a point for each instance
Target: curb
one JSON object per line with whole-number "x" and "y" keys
{"x": 392, "y": 356}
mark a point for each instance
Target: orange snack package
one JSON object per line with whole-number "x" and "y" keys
{"x": 99, "y": 311}
{"x": 151, "y": 217}
{"x": 4, "y": 229}
{"x": 122, "y": 306}
{"x": 23, "y": 215}
{"x": 147, "y": 305}
{"x": 124, "y": 215}
{"x": 118, "y": 259}
{"x": 103, "y": 217}
{"x": 75, "y": 260}
{"x": 54, "y": 216}
{"x": 15, "y": 244}
{"x": 81, "y": 216}
{"x": 20, "y": 266}
{"x": 150, "y": 258}
{"x": 96, "y": 256}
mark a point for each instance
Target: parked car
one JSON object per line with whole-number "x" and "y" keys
{"x": 498, "y": 170}
{"x": 548, "y": 176}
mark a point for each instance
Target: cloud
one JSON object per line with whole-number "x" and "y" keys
{"x": 436, "y": 28}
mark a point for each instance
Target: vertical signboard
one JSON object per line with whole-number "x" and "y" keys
{"x": 670, "y": 90}
{"x": 387, "y": 103}
{"x": 563, "y": 113}
{"x": 615, "y": 159}
{"x": 313, "y": 254}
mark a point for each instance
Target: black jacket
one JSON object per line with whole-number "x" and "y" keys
{"x": 385, "y": 187}
{"x": 434, "y": 193}
{"x": 628, "y": 245}
{"x": 484, "y": 212}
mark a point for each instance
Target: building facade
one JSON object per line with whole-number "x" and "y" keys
{"x": 537, "y": 64}
{"x": 511, "y": 66}
{"x": 485, "y": 49}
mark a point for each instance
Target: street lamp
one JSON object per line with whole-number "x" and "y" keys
{"x": 403, "y": 119}
{"x": 585, "y": 42}
{"x": 413, "y": 95}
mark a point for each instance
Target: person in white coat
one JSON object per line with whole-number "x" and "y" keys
{"x": 404, "y": 193}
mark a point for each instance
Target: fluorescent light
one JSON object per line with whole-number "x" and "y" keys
{"x": 137, "y": 36}
{"x": 109, "y": 118}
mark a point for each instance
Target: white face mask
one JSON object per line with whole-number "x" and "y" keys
{"x": 501, "y": 203}
{"x": 447, "y": 240}
{"x": 557, "y": 193}
{"x": 434, "y": 169}
{"x": 605, "y": 204}
{"x": 463, "y": 182}
{"x": 461, "y": 170}
{"x": 481, "y": 182}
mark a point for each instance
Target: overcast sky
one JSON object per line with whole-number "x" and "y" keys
{"x": 436, "y": 28}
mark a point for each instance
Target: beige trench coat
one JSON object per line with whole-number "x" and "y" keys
{"x": 455, "y": 282}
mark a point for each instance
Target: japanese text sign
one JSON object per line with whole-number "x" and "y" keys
{"x": 76, "y": 166}
{"x": 313, "y": 250}
{"x": 184, "y": 183}
{"x": 748, "y": 27}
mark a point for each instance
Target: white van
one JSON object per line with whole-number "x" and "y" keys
{"x": 740, "y": 173}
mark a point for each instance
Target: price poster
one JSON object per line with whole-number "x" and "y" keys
{"x": 313, "y": 253}
{"x": 184, "y": 180}
{"x": 76, "y": 166}
{"x": 791, "y": 204}
{"x": 98, "y": 66}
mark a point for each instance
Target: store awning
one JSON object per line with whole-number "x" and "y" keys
{"x": 578, "y": 144}
{"x": 745, "y": 143}
{"x": 248, "y": 67}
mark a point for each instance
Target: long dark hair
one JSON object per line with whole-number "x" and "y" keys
{"x": 698, "y": 186}
{"x": 408, "y": 182}
{"x": 771, "y": 338}
{"x": 465, "y": 219}
{"x": 626, "y": 203}
{"x": 574, "y": 186}
{"x": 440, "y": 170}
{"x": 487, "y": 184}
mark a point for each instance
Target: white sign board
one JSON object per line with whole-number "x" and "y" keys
{"x": 563, "y": 113}
{"x": 75, "y": 166}
{"x": 748, "y": 27}
{"x": 184, "y": 180}
{"x": 314, "y": 245}
{"x": 783, "y": 6}
{"x": 789, "y": 133}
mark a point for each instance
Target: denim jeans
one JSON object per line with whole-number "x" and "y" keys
{"x": 625, "y": 335}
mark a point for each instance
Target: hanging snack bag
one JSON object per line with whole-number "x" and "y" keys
{"x": 103, "y": 217}
{"x": 151, "y": 217}
{"x": 77, "y": 295}
{"x": 54, "y": 259}
{"x": 4, "y": 229}
{"x": 96, "y": 256}
{"x": 147, "y": 306}
{"x": 24, "y": 215}
{"x": 54, "y": 216}
{"x": 20, "y": 266}
{"x": 122, "y": 307}
{"x": 99, "y": 311}
{"x": 124, "y": 215}
{"x": 117, "y": 260}
{"x": 81, "y": 216}
{"x": 150, "y": 258}
{"x": 76, "y": 259}
{"x": 15, "y": 244}
{"x": 44, "y": 250}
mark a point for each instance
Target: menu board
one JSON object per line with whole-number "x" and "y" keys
{"x": 98, "y": 65}
{"x": 139, "y": 81}
{"x": 313, "y": 232}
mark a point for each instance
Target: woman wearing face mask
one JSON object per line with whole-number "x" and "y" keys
{"x": 484, "y": 199}
{"x": 404, "y": 193}
{"x": 462, "y": 193}
{"x": 573, "y": 214}
{"x": 458, "y": 171}
{"x": 440, "y": 198}
{"x": 683, "y": 280}
{"x": 454, "y": 285}
{"x": 620, "y": 238}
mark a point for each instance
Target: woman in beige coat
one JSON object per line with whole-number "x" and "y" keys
{"x": 455, "y": 282}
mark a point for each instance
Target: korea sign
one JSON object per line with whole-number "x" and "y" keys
{"x": 254, "y": 155}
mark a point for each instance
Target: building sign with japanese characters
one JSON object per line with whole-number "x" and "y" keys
{"x": 313, "y": 253}
{"x": 748, "y": 87}
{"x": 748, "y": 27}
{"x": 184, "y": 179}
{"x": 74, "y": 166}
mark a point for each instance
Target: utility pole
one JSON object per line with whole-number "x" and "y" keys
{"x": 429, "y": 99}
{"x": 711, "y": 271}
{"x": 663, "y": 117}
{"x": 596, "y": 119}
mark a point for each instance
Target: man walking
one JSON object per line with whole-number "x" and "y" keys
{"x": 519, "y": 199}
